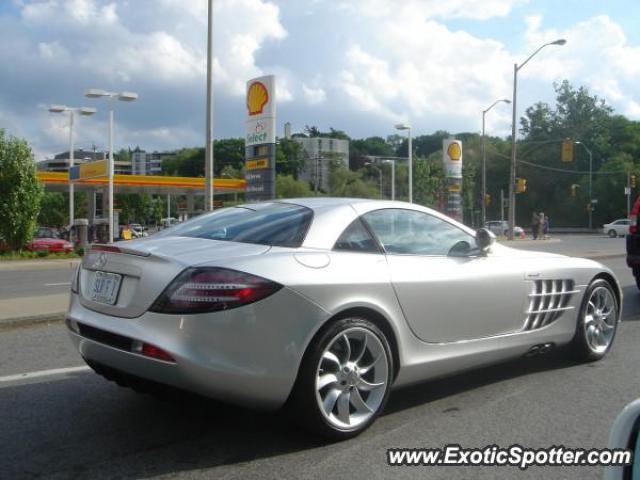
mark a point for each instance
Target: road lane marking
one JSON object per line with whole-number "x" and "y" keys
{"x": 57, "y": 284}
{"x": 43, "y": 373}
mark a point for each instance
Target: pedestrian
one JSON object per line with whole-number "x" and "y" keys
{"x": 541, "y": 218}
{"x": 545, "y": 228}
{"x": 535, "y": 223}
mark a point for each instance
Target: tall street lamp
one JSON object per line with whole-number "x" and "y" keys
{"x": 369, "y": 164}
{"x": 393, "y": 176}
{"x": 85, "y": 111}
{"x": 578, "y": 142}
{"x": 208, "y": 164}
{"x": 407, "y": 127}
{"x": 512, "y": 176}
{"x": 112, "y": 96}
{"x": 484, "y": 160}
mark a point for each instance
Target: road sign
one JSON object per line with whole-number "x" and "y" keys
{"x": 627, "y": 191}
{"x": 594, "y": 200}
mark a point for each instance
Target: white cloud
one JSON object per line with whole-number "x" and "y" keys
{"x": 597, "y": 54}
{"x": 313, "y": 95}
{"x": 472, "y": 9}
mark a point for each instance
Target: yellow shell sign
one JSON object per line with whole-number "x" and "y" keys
{"x": 257, "y": 98}
{"x": 454, "y": 151}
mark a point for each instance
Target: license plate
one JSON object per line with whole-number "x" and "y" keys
{"x": 105, "y": 287}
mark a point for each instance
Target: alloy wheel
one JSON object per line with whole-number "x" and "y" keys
{"x": 352, "y": 378}
{"x": 600, "y": 319}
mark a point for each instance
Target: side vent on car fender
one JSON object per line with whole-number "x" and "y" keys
{"x": 547, "y": 301}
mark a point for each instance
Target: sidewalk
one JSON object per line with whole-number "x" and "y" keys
{"x": 29, "y": 310}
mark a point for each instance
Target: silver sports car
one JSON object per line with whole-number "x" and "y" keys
{"x": 324, "y": 304}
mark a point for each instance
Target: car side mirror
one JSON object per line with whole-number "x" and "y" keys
{"x": 484, "y": 239}
{"x": 625, "y": 438}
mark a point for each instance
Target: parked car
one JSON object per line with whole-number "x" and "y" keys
{"x": 138, "y": 230}
{"x": 501, "y": 227}
{"x": 325, "y": 304}
{"x": 48, "y": 239}
{"x": 617, "y": 228}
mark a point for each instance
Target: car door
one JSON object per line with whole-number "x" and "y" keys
{"x": 446, "y": 293}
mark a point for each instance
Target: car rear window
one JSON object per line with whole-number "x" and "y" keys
{"x": 276, "y": 224}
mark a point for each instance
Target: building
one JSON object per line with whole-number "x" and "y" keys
{"x": 319, "y": 153}
{"x": 148, "y": 163}
{"x": 60, "y": 162}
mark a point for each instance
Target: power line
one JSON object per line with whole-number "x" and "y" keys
{"x": 576, "y": 172}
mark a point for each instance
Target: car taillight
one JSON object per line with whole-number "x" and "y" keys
{"x": 199, "y": 290}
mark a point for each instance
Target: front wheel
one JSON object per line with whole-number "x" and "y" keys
{"x": 344, "y": 380}
{"x": 597, "y": 322}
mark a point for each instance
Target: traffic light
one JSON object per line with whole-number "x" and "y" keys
{"x": 521, "y": 185}
{"x": 633, "y": 181}
{"x": 574, "y": 187}
{"x": 487, "y": 199}
{"x": 567, "y": 150}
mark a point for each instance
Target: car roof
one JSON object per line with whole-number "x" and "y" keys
{"x": 333, "y": 214}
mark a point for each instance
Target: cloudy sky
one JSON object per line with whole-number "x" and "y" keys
{"x": 355, "y": 65}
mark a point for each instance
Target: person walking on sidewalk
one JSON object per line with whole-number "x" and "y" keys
{"x": 535, "y": 225}
{"x": 541, "y": 218}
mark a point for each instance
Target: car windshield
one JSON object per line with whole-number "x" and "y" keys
{"x": 276, "y": 224}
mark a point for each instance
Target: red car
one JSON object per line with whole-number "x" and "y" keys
{"x": 47, "y": 239}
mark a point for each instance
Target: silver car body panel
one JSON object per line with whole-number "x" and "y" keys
{"x": 446, "y": 314}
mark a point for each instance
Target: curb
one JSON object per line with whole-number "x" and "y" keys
{"x": 11, "y": 323}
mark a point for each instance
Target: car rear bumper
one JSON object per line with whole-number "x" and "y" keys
{"x": 249, "y": 355}
{"x": 633, "y": 251}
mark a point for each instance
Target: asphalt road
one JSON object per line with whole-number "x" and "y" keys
{"x": 29, "y": 281}
{"x": 80, "y": 426}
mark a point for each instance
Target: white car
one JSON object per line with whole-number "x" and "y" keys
{"x": 501, "y": 227}
{"x": 617, "y": 228}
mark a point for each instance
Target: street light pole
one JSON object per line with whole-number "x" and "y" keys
{"x": 484, "y": 160}
{"x": 407, "y": 127}
{"x": 208, "y": 166}
{"x": 578, "y": 142}
{"x": 393, "y": 177}
{"x": 111, "y": 96}
{"x": 86, "y": 111}
{"x": 512, "y": 176}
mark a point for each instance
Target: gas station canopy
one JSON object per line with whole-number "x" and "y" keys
{"x": 151, "y": 184}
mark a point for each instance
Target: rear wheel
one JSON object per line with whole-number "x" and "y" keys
{"x": 612, "y": 233}
{"x": 344, "y": 380}
{"x": 597, "y": 322}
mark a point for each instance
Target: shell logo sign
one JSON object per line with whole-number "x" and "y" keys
{"x": 257, "y": 98}
{"x": 454, "y": 151}
{"x": 452, "y": 157}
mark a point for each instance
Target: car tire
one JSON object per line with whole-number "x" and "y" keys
{"x": 344, "y": 380}
{"x": 612, "y": 233}
{"x": 597, "y": 322}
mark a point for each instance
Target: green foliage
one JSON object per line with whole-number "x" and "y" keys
{"x": 615, "y": 145}
{"x": 20, "y": 192}
{"x": 134, "y": 207}
{"x": 347, "y": 183}
{"x": 290, "y": 157}
{"x": 53, "y": 210}
{"x": 289, "y": 187}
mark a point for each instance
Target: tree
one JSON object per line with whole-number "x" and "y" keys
{"x": 289, "y": 187}
{"x": 52, "y": 211}
{"x": 20, "y": 192}
{"x": 290, "y": 157}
